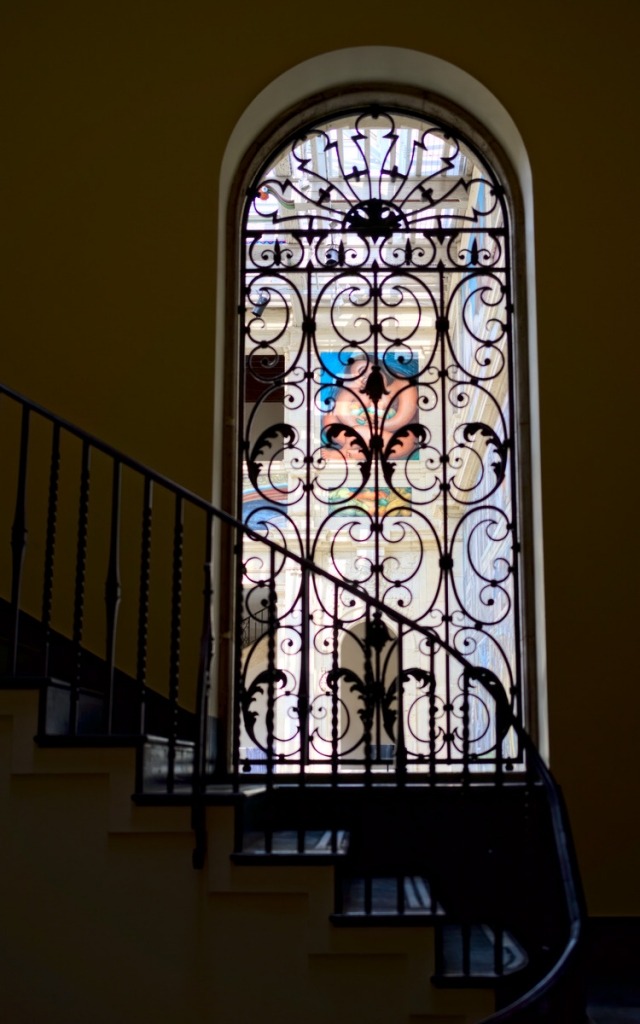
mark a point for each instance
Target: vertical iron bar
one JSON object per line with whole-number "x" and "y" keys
{"x": 335, "y": 721}
{"x": 442, "y": 328}
{"x": 112, "y": 592}
{"x": 432, "y": 712}
{"x": 368, "y": 696}
{"x": 334, "y": 694}
{"x": 368, "y": 890}
{"x": 400, "y": 899}
{"x": 466, "y": 681}
{"x": 498, "y": 842}
{"x": 143, "y": 599}
{"x": 498, "y": 948}
{"x": 78, "y": 603}
{"x": 501, "y": 730}
{"x": 303, "y": 701}
{"x": 401, "y": 753}
{"x": 238, "y": 680}
{"x": 513, "y": 456}
{"x": 50, "y": 547}
{"x": 176, "y": 625}
{"x": 439, "y": 944}
{"x": 268, "y": 837}
{"x": 468, "y": 870}
{"x": 466, "y": 947}
{"x": 19, "y": 537}
{"x": 198, "y": 805}
{"x": 376, "y": 691}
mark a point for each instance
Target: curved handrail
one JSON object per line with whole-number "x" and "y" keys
{"x": 506, "y": 720}
{"x": 573, "y": 899}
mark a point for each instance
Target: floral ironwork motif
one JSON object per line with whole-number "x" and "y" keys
{"x": 376, "y": 323}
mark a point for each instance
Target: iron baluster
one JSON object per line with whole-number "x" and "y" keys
{"x": 143, "y": 600}
{"x": 466, "y": 680}
{"x": 432, "y": 710}
{"x": 335, "y": 712}
{"x": 303, "y": 697}
{"x": 78, "y": 604}
{"x": 368, "y": 698}
{"x": 19, "y": 538}
{"x": 498, "y": 946}
{"x": 198, "y": 806}
{"x": 401, "y": 751}
{"x": 240, "y": 682}
{"x": 400, "y": 895}
{"x": 176, "y": 627}
{"x": 368, "y": 891}
{"x": 465, "y": 935}
{"x": 50, "y": 547}
{"x": 334, "y": 689}
{"x": 271, "y": 683}
{"x": 112, "y": 594}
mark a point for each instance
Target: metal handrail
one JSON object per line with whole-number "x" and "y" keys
{"x": 505, "y": 717}
{"x": 574, "y": 903}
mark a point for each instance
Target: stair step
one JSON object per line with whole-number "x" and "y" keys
{"x": 155, "y": 765}
{"x": 317, "y": 845}
{"x": 482, "y": 943}
{"x": 403, "y": 900}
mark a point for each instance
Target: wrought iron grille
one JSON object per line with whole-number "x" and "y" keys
{"x": 377, "y": 401}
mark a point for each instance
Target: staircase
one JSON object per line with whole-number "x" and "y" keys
{"x": 386, "y": 896}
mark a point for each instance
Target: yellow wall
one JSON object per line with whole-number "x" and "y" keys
{"x": 115, "y": 119}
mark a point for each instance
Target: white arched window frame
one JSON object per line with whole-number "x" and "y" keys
{"x": 432, "y": 88}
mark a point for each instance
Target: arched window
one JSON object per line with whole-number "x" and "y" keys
{"x": 378, "y": 402}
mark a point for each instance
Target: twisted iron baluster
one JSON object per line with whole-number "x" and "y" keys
{"x": 50, "y": 548}
{"x": 176, "y": 625}
{"x": 198, "y": 806}
{"x": 112, "y": 592}
{"x": 143, "y": 599}
{"x": 19, "y": 538}
{"x": 78, "y": 603}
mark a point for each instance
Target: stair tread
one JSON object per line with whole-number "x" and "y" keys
{"x": 482, "y": 942}
{"x": 416, "y": 894}
{"x": 284, "y": 842}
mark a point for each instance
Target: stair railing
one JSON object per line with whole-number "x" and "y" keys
{"x": 43, "y": 645}
{"x": 554, "y": 988}
{"x": 62, "y": 616}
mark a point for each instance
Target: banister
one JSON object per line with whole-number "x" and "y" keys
{"x": 506, "y": 719}
{"x": 574, "y": 904}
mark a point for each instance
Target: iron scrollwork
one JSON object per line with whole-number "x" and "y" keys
{"x": 378, "y": 412}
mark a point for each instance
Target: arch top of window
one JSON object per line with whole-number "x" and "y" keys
{"x": 414, "y": 113}
{"x": 376, "y": 173}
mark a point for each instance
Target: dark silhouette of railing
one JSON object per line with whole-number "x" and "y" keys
{"x": 51, "y": 623}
